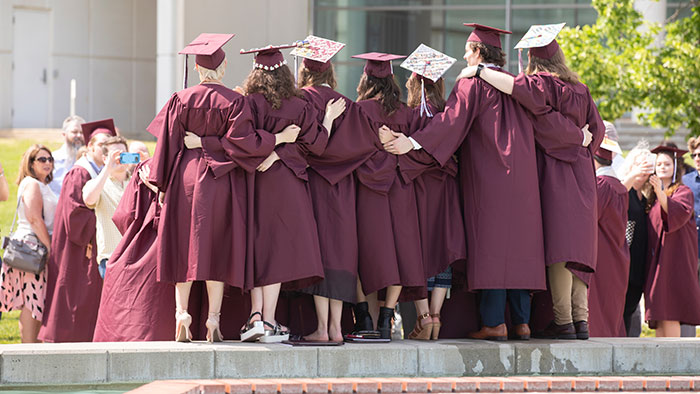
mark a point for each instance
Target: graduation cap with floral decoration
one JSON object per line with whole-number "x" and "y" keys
{"x": 317, "y": 52}
{"x": 428, "y": 65}
{"x": 268, "y": 58}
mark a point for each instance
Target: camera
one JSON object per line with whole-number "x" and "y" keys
{"x": 129, "y": 158}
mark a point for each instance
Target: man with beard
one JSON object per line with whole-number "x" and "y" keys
{"x": 65, "y": 156}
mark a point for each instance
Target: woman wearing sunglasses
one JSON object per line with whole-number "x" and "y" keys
{"x": 37, "y": 204}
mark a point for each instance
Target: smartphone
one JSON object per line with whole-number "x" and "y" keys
{"x": 651, "y": 159}
{"x": 129, "y": 158}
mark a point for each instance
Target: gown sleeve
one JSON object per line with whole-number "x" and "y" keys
{"x": 446, "y": 131}
{"x": 243, "y": 145}
{"x": 170, "y": 132}
{"x": 680, "y": 210}
{"x": 81, "y": 221}
{"x": 312, "y": 139}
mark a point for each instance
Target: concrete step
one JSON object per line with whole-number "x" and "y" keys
{"x": 144, "y": 362}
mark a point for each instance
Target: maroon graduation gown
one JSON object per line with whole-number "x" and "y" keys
{"x": 608, "y": 285}
{"x": 387, "y": 215}
{"x": 202, "y": 230}
{"x": 332, "y": 187}
{"x": 285, "y": 238}
{"x": 672, "y": 291}
{"x": 567, "y": 182}
{"x": 73, "y": 282}
{"x": 497, "y": 171}
{"x": 134, "y": 306}
{"x": 437, "y": 196}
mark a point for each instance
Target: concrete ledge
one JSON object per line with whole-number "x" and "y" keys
{"x": 143, "y": 362}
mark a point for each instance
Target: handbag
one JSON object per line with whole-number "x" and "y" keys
{"x": 27, "y": 254}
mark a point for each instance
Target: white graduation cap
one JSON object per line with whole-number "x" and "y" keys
{"x": 541, "y": 40}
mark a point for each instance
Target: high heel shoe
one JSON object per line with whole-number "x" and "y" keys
{"x": 422, "y": 330}
{"x": 213, "y": 331}
{"x": 436, "y": 326}
{"x": 182, "y": 326}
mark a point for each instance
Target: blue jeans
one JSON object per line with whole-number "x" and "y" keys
{"x": 102, "y": 267}
{"x": 492, "y": 306}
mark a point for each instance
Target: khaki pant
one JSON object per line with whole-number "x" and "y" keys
{"x": 569, "y": 295}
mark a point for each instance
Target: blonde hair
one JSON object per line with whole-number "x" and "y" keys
{"x": 28, "y": 158}
{"x": 556, "y": 65}
{"x": 212, "y": 75}
{"x": 693, "y": 143}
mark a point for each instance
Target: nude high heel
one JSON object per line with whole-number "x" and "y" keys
{"x": 182, "y": 326}
{"x": 213, "y": 331}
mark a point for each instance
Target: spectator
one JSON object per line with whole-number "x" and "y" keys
{"x": 37, "y": 204}
{"x": 102, "y": 194}
{"x": 65, "y": 156}
{"x": 140, "y": 148}
{"x": 692, "y": 180}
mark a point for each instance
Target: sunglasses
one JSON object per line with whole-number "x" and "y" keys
{"x": 44, "y": 159}
{"x": 695, "y": 155}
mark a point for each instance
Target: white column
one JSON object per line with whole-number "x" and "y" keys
{"x": 653, "y": 11}
{"x": 171, "y": 17}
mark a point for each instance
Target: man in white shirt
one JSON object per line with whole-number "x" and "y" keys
{"x": 65, "y": 156}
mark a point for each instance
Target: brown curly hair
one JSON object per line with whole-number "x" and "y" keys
{"x": 386, "y": 90}
{"x": 314, "y": 78}
{"x": 556, "y": 65}
{"x": 489, "y": 53}
{"x": 434, "y": 92}
{"x": 275, "y": 85}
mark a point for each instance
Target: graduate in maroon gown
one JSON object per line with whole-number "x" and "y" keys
{"x": 672, "y": 292}
{"x": 497, "y": 170}
{"x": 74, "y": 284}
{"x": 566, "y": 175}
{"x": 332, "y": 187}
{"x": 390, "y": 254}
{"x": 203, "y": 225}
{"x": 608, "y": 285}
{"x": 439, "y": 211}
{"x": 134, "y": 306}
{"x": 285, "y": 239}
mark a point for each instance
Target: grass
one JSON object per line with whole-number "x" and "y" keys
{"x": 9, "y": 327}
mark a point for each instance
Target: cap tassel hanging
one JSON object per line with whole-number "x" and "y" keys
{"x": 184, "y": 78}
{"x": 520, "y": 61}
{"x": 423, "y": 102}
{"x": 675, "y": 166}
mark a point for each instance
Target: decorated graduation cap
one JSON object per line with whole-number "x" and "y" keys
{"x": 104, "y": 126}
{"x": 268, "y": 58}
{"x": 317, "y": 52}
{"x": 378, "y": 64}
{"x": 486, "y": 34}
{"x": 671, "y": 149}
{"x": 609, "y": 144}
{"x": 207, "y": 47}
{"x": 541, "y": 39}
{"x": 428, "y": 65}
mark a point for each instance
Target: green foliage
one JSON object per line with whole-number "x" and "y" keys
{"x": 612, "y": 55}
{"x": 624, "y": 66}
{"x": 673, "y": 100}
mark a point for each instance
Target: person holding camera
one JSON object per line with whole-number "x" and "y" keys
{"x": 103, "y": 194}
{"x": 35, "y": 208}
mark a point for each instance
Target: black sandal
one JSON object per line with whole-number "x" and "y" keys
{"x": 252, "y": 329}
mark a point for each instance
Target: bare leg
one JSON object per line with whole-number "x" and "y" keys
{"x": 668, "y": 328}
{"x": 335, "y": 334}
{"x": 437, "y": 299}
{"x": 28, "y": 326}
{"x": 392, "y": 296}
{"x": 270, "y": 295}
{"x": 182, "y": 295}
{"x": 321, "y": 333}
{"x": 215, "y": 294}
{"x": 422, "y": 306}
{"x": 360, "y": 294}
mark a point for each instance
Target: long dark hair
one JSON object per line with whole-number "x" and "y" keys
{"x": 678, "y": 170}
{"x": 386, "y": 90}
{"x": 275, "y": 85}
{"x": 434, "y": 92}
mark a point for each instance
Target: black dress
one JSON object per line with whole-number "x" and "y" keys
{"x": 637, "y": 239}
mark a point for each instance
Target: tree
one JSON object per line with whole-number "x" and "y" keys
{"x": 673, "y": 100}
